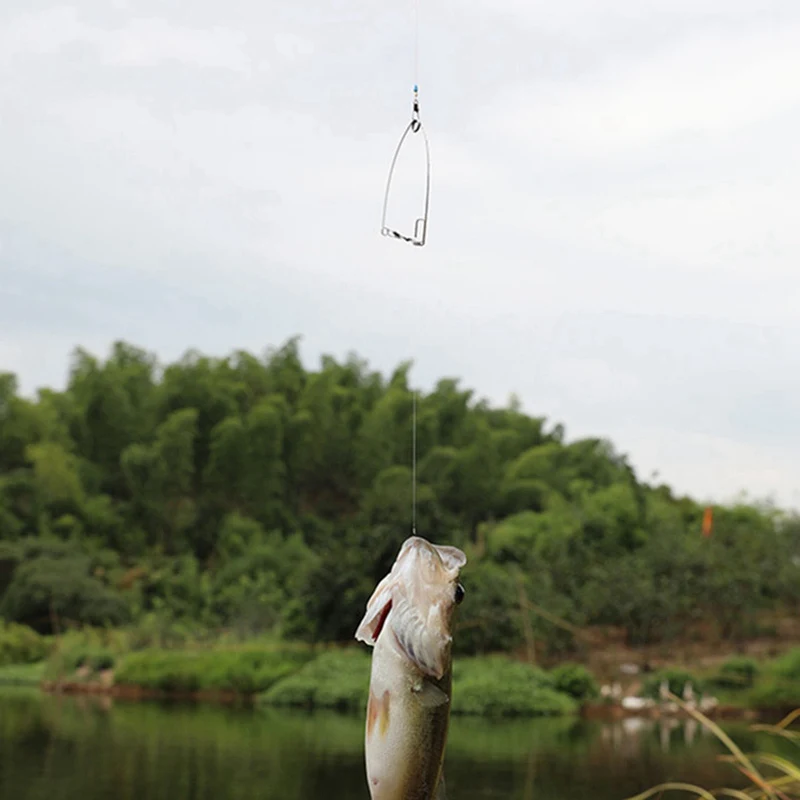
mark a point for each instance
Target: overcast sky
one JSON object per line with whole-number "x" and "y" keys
{"x": 613, "y": 232}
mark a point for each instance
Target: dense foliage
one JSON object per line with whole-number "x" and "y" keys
{"x": 257, "y": 495}
{"x": 21, "y": 645}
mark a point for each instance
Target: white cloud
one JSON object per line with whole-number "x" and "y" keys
{"x": 148, "y": 42}
{"x": 142, "y": 42}
{"x": 39, "y": 33}
{"x": 730, "y": 226}
{"x": 708, "y": 85}
{"x": 717, "y": 464}
{"x": 292, "y": 46}
{"x": 582, "y": 18}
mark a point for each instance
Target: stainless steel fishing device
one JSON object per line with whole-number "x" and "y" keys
{"x": 414, "y": 127}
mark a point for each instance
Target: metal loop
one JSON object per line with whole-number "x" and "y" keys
{"x": 415, "y": 121}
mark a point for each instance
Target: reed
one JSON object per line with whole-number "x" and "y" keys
{"x": 782, "y": 782}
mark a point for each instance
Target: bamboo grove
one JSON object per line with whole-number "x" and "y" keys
{"x": 255, "y": 494}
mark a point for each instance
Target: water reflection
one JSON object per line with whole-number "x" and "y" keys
{"x": 625, "y": 736}
{"x": 92, "y": 748}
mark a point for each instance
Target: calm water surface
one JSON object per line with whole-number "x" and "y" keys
{"x": 92, "y": 749}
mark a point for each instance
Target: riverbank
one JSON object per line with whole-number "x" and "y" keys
{"x": 30, "y": 675}
{"x": 331, "y": 679}
{"x": 270, "y": 672}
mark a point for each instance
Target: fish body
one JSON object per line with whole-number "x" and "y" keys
{"x": 408, "y": 623}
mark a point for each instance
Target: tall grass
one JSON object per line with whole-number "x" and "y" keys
{"x": 782, "y": 782}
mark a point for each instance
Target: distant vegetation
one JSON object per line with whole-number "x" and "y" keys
{"x": 254, "y": 496}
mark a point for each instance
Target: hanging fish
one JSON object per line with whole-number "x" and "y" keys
{"x": 408, "y": 622}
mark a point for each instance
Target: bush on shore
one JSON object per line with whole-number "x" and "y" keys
{"x": 246, "y": 670}
{"x": 20, "y": 644}
{"x": 338, "y": 679}
{"x": 497, "y": 686}
{"x": 491, "y": 686}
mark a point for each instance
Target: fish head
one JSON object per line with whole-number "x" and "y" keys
{"x": 430, "y": 579}
{"x": 415, "y": 604}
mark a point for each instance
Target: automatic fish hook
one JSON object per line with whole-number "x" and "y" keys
{"x": 421, "y": 224}
{"x": 414, "y": 127}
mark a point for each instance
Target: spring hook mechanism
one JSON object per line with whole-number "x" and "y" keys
{"x": 419, "y": 236}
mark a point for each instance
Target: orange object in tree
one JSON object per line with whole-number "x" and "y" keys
{"x": 708, "y": 521}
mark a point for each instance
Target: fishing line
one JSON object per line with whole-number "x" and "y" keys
{"x": 414, "y": 465}
{"x": 414, "y": 401}
{"x": 419, "y": 232}
{"x": 416, "y": 43}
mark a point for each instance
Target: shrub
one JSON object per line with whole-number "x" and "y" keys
{"x": 95, "y": 649}
{"x": 496, "y": 686}
{"x": 65, "y": 587}
{"x": 574, "y": 680}
{"x": 736, "y": 673}
{"x": 788, "y": 666}
{"x": 21, "y": 645}
{"x": 337, "y": 679}
{"x": 776, "y": 694}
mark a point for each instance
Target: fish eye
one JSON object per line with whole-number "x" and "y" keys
{"x": 459, "y": 593}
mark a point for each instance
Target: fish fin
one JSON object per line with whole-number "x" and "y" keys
{"x": 431, "y": 695}
{"x": 378, "y": 608}
{"x": 441, "y": 793}
{"x": 380, "y": 602}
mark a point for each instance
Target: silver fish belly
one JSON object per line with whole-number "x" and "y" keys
{"x": 408, "y": 623}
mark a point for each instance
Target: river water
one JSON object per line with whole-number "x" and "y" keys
{"x": 88, "y": 748}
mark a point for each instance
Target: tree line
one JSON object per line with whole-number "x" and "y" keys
{"x": 253, "y": 493}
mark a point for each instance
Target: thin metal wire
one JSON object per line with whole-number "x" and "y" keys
{"x": 414, "y": 466}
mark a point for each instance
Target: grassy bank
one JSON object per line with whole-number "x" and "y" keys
{"x": 244, "y": 670}
{"x": 280, "y": 674}
{"x": 492, "y": 686}
{"x": 22, "y": 674}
